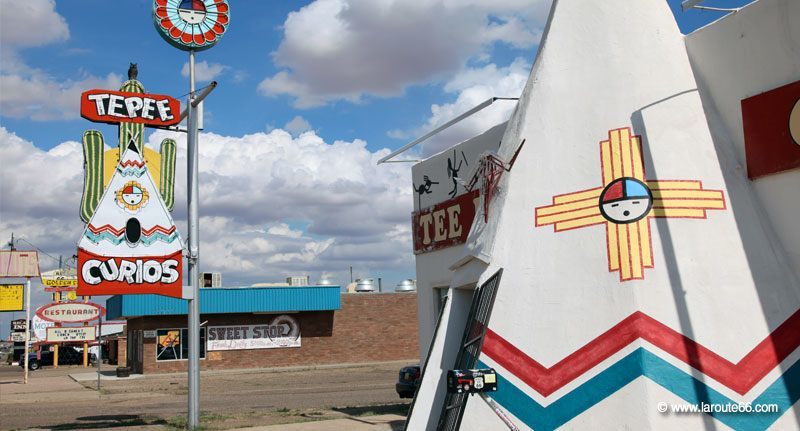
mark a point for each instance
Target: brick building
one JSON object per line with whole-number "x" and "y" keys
{"x": 269, "y": 327}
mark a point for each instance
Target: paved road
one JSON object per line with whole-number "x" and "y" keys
{"x": 54, "y": 400}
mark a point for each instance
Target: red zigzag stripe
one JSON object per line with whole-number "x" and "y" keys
{"x": 740, "y": 377}
{"x": 118, "y": 232}
{"x": 136, "y": 163}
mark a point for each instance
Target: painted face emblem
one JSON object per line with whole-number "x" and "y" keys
{"x": 132, "y": 196}
{"x": 625, "y": 200}
{"x": 192, "y": 11}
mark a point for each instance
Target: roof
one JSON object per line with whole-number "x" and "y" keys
{"x": 229, "y": 300}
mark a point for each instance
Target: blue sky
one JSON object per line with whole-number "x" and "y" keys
{"x": 311, "y": 94}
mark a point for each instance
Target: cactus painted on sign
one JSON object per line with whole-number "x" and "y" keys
{"x": 99, "y": 163}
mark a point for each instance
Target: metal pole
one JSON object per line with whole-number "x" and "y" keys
{"x": 99, "y": 357}
{"x": 27, "y": 325}
{"x": 194, "y": 254}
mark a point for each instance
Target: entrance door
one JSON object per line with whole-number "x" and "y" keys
{"x": 135, "y": 351}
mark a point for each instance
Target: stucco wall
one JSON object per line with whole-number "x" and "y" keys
{"x": 742, "y": 55}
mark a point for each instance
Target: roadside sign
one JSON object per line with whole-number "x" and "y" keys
{"x": 58, "y": 279}
{"x": 40, "y": 326}
{"x": 71, "y": 312}
{"x": 18, "y": 325}
{"x": 15, "y": 263}
{"x": 18, "y": 337}
{"x": 79, "y": 333}
{"x": 107, "y": 106}
{"x": 11, "y": 297}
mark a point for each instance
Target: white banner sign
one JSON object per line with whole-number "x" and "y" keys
{"x": 80, "y": 333}
{"x": 284, "y": 331}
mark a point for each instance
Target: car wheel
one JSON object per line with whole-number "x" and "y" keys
{"x": 33, "y": 365}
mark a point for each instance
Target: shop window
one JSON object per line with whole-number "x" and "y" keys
{"x": 173, "y": 344}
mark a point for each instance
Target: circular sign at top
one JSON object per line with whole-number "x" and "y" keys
{"x": 191, "y": 24}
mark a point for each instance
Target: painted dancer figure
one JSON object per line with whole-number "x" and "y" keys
{"x": 424, "y": 188}
{"x": 452, "y": 172}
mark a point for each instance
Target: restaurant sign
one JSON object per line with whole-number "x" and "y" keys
{"x": 71, "y": 312}
{"x": 57, "y": 334}
{"x": 107, "y": 106}
{"x": 445, "y": 224}
{"x": 283, "y": 331}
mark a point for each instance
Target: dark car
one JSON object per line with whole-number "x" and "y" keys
{"x": 408, "y": 382}
{"x": 67, "y": 355}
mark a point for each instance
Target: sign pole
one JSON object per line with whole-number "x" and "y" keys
{"x": 27, "y": 325}
{"x": 194, "y": 256}
{"x": 99, "y": 357}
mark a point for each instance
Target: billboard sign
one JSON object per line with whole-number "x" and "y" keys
{"x": 57, "y": 334}
{"x": 15, "y": 263}
{"x": 130, "y": 244}
{"x": 71, "y": 312}
{"x": 283, "y": 331}
{"x": 11, "y": 297}
{"x": 107, "y": 106}
{"x": 60, "y": 279}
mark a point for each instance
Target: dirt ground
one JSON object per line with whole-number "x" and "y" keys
{"x": 228, "y": 399}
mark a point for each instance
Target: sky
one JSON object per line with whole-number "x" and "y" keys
{"x": 311, "y": 94}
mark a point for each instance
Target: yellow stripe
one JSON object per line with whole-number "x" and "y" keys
{"x": 552, "y": 209}
{"x": 625, "y": 146}
{"x": 624, "y": 253}
{"x": 678, "y": 212}
{"x": 638, "y": 162}
{"x": 587, "y": 212}
{"x": 581, "y": 222}
{"x": 613, "y": 250}
{"x": 577, "y": 196}
{"x": 616, "y": 156}
{"x": 688, "y": 194}
{"x": 605, "y": 156}
{"x": 689, "y": 203}
{"x": 644, "y": 234}
{"x": 636, "y": 245}
{"x": 671, "y": 184}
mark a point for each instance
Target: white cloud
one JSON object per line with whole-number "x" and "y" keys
{"x": 297, "y": 125}
{"x": 31, "y": 23}
{"x": 271, "y": 205}
{"x": 472, "y": 86}
{"x": 39, "y": 97}
{"x": 346, "y": 49}
{"x": 205, "y": 71}
{"x": 31, "y": 93}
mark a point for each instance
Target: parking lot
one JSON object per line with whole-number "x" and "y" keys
{"x": 229, "y": 399}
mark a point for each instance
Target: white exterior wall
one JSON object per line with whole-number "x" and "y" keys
{"x": 742, "y": 55}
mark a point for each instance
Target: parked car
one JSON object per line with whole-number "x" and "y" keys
{"x": 67, "y": 355}
{"x": 408, "y": 383}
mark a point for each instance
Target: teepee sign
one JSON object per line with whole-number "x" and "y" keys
{"x": 131, "y": 244}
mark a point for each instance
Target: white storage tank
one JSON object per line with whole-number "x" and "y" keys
{"x": 366, "y": 285}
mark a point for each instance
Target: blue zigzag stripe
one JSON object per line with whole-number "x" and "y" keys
{"x": 130, "y": 171}
{"x": 116, "y": 240}
{"x": 784, "y": 392}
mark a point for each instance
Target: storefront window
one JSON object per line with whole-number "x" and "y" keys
{"x": 173, "y": 344}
